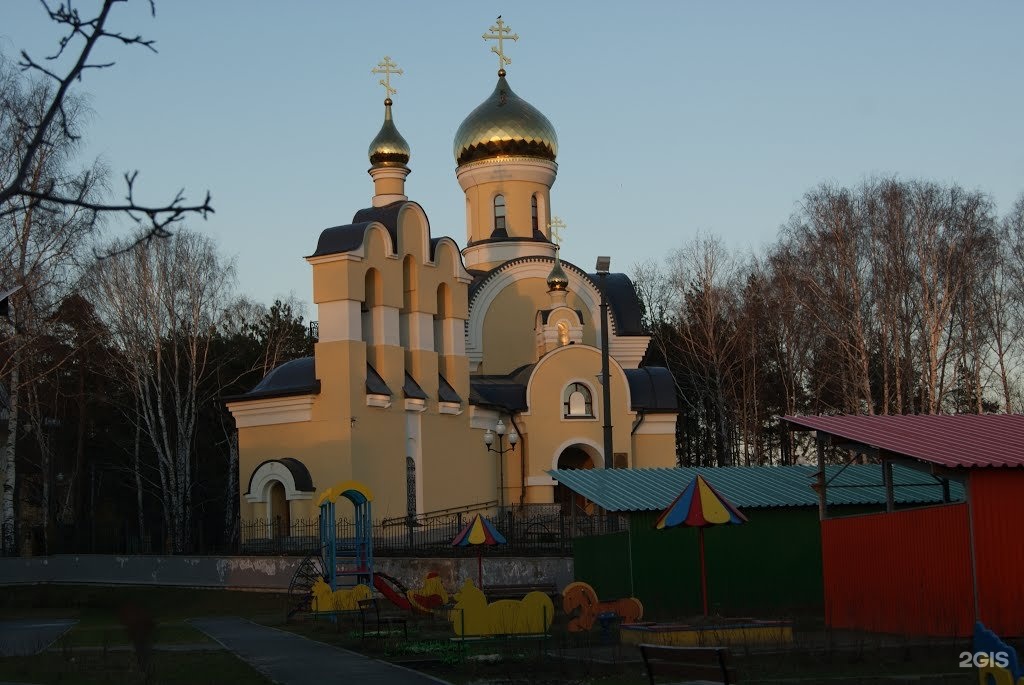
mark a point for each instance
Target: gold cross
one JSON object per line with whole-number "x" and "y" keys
{"x": 555, "y": 228}
{"x": 498, "y": 33}
{"x": 387, "y": 67}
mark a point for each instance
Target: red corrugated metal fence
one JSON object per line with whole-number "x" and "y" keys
{"x": 907, "y": 572}
{"x": 998, "y": 501}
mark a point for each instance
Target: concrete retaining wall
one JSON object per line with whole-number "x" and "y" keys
{"x": 264, "y": 573}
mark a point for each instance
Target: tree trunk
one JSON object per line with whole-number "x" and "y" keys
{"x": 8, "y": 462}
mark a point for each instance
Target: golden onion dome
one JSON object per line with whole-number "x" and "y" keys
{"x": 557, "y": 279}
{"x": 505, "y": 124}
{"x": 389, "y": 146}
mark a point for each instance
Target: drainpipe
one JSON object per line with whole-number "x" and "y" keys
{"x": 639, "y": 420}
{"x": 522, "y": 460}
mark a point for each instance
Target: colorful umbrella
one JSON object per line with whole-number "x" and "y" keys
{"x": 700, "y": 506}
{"x": 479, "y": 532}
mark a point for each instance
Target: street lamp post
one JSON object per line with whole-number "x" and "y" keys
{"x": 501, "y": 450}
{"x": 603, "y": 265}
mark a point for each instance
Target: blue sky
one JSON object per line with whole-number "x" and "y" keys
{"x": 673, "y": 117}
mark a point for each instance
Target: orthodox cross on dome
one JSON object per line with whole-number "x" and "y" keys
{"x": 555, "y": 228}
{"x": 500, "y": 32}
{"x": 387, "y": 67}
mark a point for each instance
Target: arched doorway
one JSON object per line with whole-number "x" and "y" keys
{"x": 573, "y": 457}
{"x": 279, "y": 510}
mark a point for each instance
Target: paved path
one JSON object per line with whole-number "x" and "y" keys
{"x": 290, "y": 659}
{"x": 27, "y": 636}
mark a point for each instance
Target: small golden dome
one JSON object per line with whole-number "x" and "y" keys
{"x": 557, "y": 279}
{"x": 389, "y": 147}
{"x": 505, "y": 124}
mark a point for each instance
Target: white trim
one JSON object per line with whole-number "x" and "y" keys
{"x": 273, "y": 410}
{"x": 628, "y": 350}
{"x": 386, "y": 324}
{"x": 414, "y": 405}
{"x": 481, "y": 418}
{"x": 540, "y": 480}
{"x": 504, "y": 250}
{"x": 453, "y": 408}
{"x": 421, "y": 331}
{"x": 382, "y": 401}
{"x": 340, "y": 320}
{"x": 495, "y": 169}
{"x": 598, "y": 460}
{"x": 266, "y": 475}
{"x": 658, "y": 424}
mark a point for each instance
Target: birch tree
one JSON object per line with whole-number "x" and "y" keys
{"x": 163, "y": 303}
{"x": 41, "y": 244}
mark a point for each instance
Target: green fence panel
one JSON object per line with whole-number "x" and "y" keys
{"x": 603, "y": 561}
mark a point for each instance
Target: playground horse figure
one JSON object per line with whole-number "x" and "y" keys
{"x": 472, "y": 615}
{"x": 581, "y": 596}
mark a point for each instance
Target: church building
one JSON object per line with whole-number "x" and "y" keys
{"x": 447, "y": 377}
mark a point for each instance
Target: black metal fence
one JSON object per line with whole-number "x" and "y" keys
{"x": 529, "y": 530}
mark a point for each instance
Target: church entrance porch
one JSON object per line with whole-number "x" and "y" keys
{"x": 574, "y": 457}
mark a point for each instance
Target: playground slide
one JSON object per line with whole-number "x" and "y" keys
{"x": 383, "y": 583}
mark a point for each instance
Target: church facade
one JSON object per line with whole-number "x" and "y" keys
{"x": 446, "y": 376}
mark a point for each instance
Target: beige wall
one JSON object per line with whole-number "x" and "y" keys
{"x": 509, "y": 333}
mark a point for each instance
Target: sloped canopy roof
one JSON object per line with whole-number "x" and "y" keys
{"x": 297, "y": 377}
{"x": 751, "y": 486}
{"x": 960, "y": 440}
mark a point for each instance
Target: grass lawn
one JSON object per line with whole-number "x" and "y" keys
{"x": 81, "y": 655}
{"x": 89, "y": 668}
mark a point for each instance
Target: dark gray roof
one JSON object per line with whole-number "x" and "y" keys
{"x": 297, "y": 377}
{"x": 506, "y": 392}
{"x": 349, "y": 237}
{"x": 626, "y": 310}
{"x": 300, "y": 474}
{"x": 651, "y": 388}
{"x": 412, "y": 389}
{"x": 340, "y": 239}
{"x": 445, "y": 391}
{"x": 375, "y": 385}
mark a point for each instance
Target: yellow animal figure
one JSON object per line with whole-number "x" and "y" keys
{"x": 581, "y": 596}
{"x": 430, "y": 596}
{"x": 346, "y": 599}
{"x": 472, "y": 614}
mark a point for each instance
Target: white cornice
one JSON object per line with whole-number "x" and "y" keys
{"x": 291, "y": 409}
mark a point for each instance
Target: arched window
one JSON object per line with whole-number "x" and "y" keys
{"x": 533, "y": 212}
{"x": 577, "y": 402}
{"x": 410, "y": 487}
{"x": 563, "y": 333}
{"x": 499, "y": 212}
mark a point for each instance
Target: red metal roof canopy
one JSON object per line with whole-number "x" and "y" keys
{"x": 967, "y": 440}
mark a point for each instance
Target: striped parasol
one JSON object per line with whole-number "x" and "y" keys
{"x": 479, "y": 531}
{"x": 699, "y": 506}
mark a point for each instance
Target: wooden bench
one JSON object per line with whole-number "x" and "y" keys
{"x": 709, "y": 664}
{"x": 495, "y": 592}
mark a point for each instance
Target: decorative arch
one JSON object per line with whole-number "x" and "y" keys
{"x": 594, "y": 450}
{"x": 515, "y": 271}
{"x": 614, "y": 368}
{"x": 289, "y": 472}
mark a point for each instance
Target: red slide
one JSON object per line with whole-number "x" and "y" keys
{"x": 383, "y": 583}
